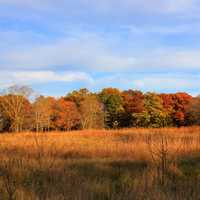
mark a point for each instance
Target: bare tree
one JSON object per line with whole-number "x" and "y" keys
{"x": 14, "y": 102}
{"x": 42, "y": 111}
{"x": 92, "y": 115}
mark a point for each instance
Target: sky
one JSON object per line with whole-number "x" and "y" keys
{"x": 59, "y": 46}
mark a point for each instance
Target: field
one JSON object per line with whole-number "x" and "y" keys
{"x": 152, "y": 164}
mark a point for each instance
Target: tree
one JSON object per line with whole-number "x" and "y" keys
{"x": 77, "y": 96}
{"x": 113, "y": 103}
{"x": 133, "y": 103}
{"x": 42, "y": 113}
{"x": 92, "y": 115}
{"x": 66, "y": 116}
{"x": 180, "y": 101}
{"x": 1, "y": 121}
{"x": 168, "y": 105}
{"x": 193, "y": 112}
{"x": 168, "y": 102}
{"x": 154, "y": 114}
{"x": 4, "y": 121}
{"x": 14, "y": 104}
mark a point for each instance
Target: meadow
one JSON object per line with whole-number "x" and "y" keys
{"x": 140, "y": 164}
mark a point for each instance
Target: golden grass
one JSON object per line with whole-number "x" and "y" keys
{"x": 113, "y": 144}
{"x": 97, "y": 164}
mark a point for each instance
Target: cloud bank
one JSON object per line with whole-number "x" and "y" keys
{"x": 8, "y": 78}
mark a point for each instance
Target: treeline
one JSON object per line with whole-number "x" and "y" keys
{"x": 110, "y": 108}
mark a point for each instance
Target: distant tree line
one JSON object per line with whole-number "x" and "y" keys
{"x": 110, "y": 108}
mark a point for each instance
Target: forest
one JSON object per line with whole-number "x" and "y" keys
{"x": 108, "y": 109}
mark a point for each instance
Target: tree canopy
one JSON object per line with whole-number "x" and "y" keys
{"x": 82, "y": 109}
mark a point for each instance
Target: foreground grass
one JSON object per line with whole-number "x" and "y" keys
{"x": 128, "y": 164}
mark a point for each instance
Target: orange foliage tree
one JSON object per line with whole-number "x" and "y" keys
{"x": 181, "y": 101}
{"x": 66, "y": 115}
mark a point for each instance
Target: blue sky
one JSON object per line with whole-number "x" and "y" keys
{"x": 59, "y": 46}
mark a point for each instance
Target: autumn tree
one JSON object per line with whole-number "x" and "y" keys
{"x": 193, "y": 112}
{"x": 27, "y": 122}
{"x": 15, "y": 103}
{"x": 4, "y": 121}
{"x": 168, "y": 105}
{"x": 42, "y": 112}
{"x": 113, "y": 102}
{"x": 66, "y": 116}
{"x": 133, "y": 103}
{"x": 180, "y": 102}
{"x": 92, "y": 115}
{"x": 153, "y": 115}
{"x": 1, "y": 121}
{"x": 78, "y": 96}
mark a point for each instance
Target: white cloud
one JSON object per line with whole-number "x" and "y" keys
{"x": 8, "y": 78}
{"x": 98, "y": 54}
{"x": 152, "y": 82}
{"x": 92, "y": 51}
{"x": 146, "y": 82}
{"x": 85, "y": 51}
{"x": 169, "y": 59}
{"x": 165, "y": 83}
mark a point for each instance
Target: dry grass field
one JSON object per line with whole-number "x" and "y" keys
{"x": 152, "y": 164}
